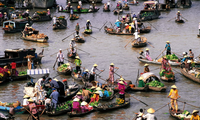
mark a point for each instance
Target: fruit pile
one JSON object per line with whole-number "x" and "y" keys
{"x": 155, "y": 83}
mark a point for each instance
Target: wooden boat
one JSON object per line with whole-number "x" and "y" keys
{"x": 139, "y": 88}
{"x": 174, "y": 114}
{"x": 107, "y": 98}
{"x": 184, "y": 4}
{"x": 137, "y": 44}
{"x": 149, "y": 15}
{"x": 64, "y": 71}
{"x": 85, "y": 10}
{"x": 74, "y": 17}
{"x": 116, "y": 12}
{"x": 61, "y": 23}
{"x": 145, "y": 29}
{"x": 106, "y": 10}
{"x": 71, "y": 114}
{"x": 17, "y": 56}
{"x": 113, "y": 32}
{"x": 71, "y": 56}
{"x": 74, "y": 74}
{"x": 41, "y": 18}
{"x": 198, "y": 35}
{"x": 113, "y": 106}
{"x": 125, "y": 7}
{"x": 148, "y": 77}
{"x": 158, "y": 63}
{"x": 179, "y": 21}
{"x": 164, "y": 78}
{"x": 15, "y": 25}
{"x": 133, "y": 3}
{"x": 18, "y": 109}
{"x": 86, "y": 31}
{"x": 79, "y": 39}
{"x": 60, "y": 112}
{"x": 190, "y": 76}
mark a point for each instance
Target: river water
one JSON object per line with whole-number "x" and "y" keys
{"x": 106, "y": 49}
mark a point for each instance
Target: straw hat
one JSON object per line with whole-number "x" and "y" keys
{"x": 76, "y": 100}
{"x": 67, "y": 64}
{"x": 47, "y": 9}
{"x": 118, "y": 20}
{"x": 111, "y": 63}
{"x": 146, "y": 65}
{"x": 151, "y": 110}
{"x": 95, "y": 64}
{"x": 124, "y": 16}
{"x": 72, "y": 39}
{"x": 98, "y": 88}
{"x": 93, "y": 87}
{"x": 86, "y": 70}
{"x": 119, "y": 1}
{"x": 30, "y": 100}
{"x": 178, "y": 11}
{"x": 79, "y": 93}
{"x": 84, "y": 103}
{"x": 121, "y": 79}
{"x": 55, "y": 79}
{"x": 60, "y": 49}
{"x": 88, "y": 20}
{"x": 138, "y": 35}
{"x": 167, "y": 42}
{"x": 77, "y": 57}
{"x": 195, "y": 111}
{"x": 189, "y": 61}
{"x": 121, "y": 82}
{"x": 126, "y": 24}
{"x": 173, "y": 86}
{"x": 26, "y": 96}
{"x": 140, "y": 78}
{"x": 184, "y": 53}
{"x": 147, "y": 48}
{"x": 97, "y": 92}
{"x": 27, "y": 10}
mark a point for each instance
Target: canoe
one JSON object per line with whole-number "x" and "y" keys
{"x": 30, "y": 38}
{"x": 60, "y": 112}
{"x": 40, "y": 18}
{"x": 86, "y": 31}
{"x": 75, "y": 75}
{"x": 73, "y": 56}
{"x": 179, "y": 21}
{"x": 174, "y": 114}
{"x": 60, "y": 24}
{"x": 112, "y": 32}
{"x": 106, "y": 10}
{"x": 158, "y": 89}
{"x": 137, "y": 44}
{"x": 139, "y": 88}
{"x": 145, "y": 29}
{"x": 16, "y": 110}
{"x": 65, "y": 72}
{"x": 75, "y": 17}
{"x": 158, "y": 63}
{"x": 149, "y": 15}
{"x": 190, "y": 76}
{"x": 79, "y": 39}
{"x": 125, "y": 7}
{"x": 71, "y": 114}
{"x": 116, "y": 12}
{"x": 132, "y": 3}
{"x": 112, "y": 106}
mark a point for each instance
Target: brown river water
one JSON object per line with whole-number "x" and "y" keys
{"x": 110, "y": 48}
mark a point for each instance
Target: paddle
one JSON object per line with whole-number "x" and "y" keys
{"x": 128, "y": 43}
{"x": 68, "y": 36}
{"x": 62, "y": 24}
{"x": 55, "y": 64}
{"x": 139, "y": 100}
{"x": 103, "y": 25}
{"x": 114, "y": 9}
{"x": 89, "y": 35}
{"x": 42, "y": 112}
{"x": 137, "y": 77}
{"x": 49, "y": 26}
{"x": 151, "y": 25}
{"x": 150, "y": 45}
{"x": 162, "y": 107}
{"x": 31, "y": 113}
{"x": 83, "y": 51}
{"x": 184, "y": 18}
{"x": 171, "y": 19}
{"x": 177, "y": 54}
{"x": 188, "y": 104}
{"x": 160, "y": 53}
{"x": 96, "y": 27}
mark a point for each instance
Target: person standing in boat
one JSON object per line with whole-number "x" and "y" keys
{"x": 132, "y": 27}
{"x": 86, "y": 75}
{"x": 69, "y": 4}
{"x": 5, "y": 17}
{"x": 121, "y": 88}
{"x": 72, "y": 43}
{"x": 141, "y": 82}
{"x": 174, "y": 96}
{"x": 77, "y": 28}
{"x": 134, "y": 16}
{"x": 191, "y": 55}
{"x": 199, "y": 28}
{"x": 167, "y": 46}
{"x": 54, "y": 98}
{"x": 48, "y": 12}
{"x": 93, "y": 72}
{"x": 71, "y": 12}
{"x": 118, "y": 24}
{"x": 150, "y": 115}
{"x": 178, "y": 15}
{"x": 147, "y": 53}
{"x": 78, "y": 63}
{"x": 13, "y": 67}
{"x": 108, "y": 5}
{"x": 54, "y": 19}
{"x": 146, "y": 68}
{"x": 60, "y": 57}
{"x": 33, "y": 109}
{"x": 29, "y": 60}
{"x": 88, "y": 24}
{"x": 164, "y": 63}
{"x": 195, "y": 115}
{"x": 111, "y": 72}
{"x": 80, "y": 3}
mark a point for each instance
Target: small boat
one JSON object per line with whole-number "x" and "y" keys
{"x": 72, "y": 56}
{"x": 176, "y": 115}
{"x": 139, "y": 88}
{"x": 41, "y": 16}
{"x": 85, "y": 10}
{"x": 158, "y": 62}
{"x": 145, "y": 29}
{"x": 198, "y": 35}
{"x": 106, "y": 10}
{"x": 112, "y": 106}
{"x": 88, "y": 31}
{"x": 18, "y": 109}
{"x": 125, "y": 7}
{"x": 142, "y": 43}
{"x": 61, "y": 23}
{"x": 133, "y": 3}
{"x": 17, "y": 56}
{"x": 113, "y": 32}
{"x": 74, "y": 17}
{"x": 183, "y": 4}
{"x": 75, "y": 75}
{"x": 107, "y": 98}
{"x": 15, "y": 25}
{"x": 193, "y": 76}
{"x": 71, "y": 114}
{"x": 63, "y": 110}
{"x": 116, "y": 12}
{"x": 179, "y": 21}
{"x": 167, "y": 76}
{"x": 64, "y": 70}
{"x": 79, "y": 39}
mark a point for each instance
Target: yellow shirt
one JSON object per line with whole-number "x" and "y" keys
{"x": 173, "y": 94}
{"x": 195, "y": 117}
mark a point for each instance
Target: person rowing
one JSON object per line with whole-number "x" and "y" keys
{"x": 178, "y": 16}
{"x": 174, "y": 96}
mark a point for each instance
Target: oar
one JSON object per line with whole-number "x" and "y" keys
{"x": 151, "y": 25}
{"x": 139, "y": 100}
{"x": 184, "y": 18}
{"x": 128, "y": 43}
{"x": 161, "y": 53}
{"x": 31, "y": 113}
{"x": 162, "y": 107}
{"x": 171, "y": 19}
{"x": 42, "y": 112}
{"x": 114, "y": 9}
{"x": 89, "y": 35}
{"x": 137, "y": 77}
{"x": 68, "y": 17}
{"x": 150, "y": 45}
{"x": 96, "y": 28}
{"x": 189, "y": 104}
{"x": 103, "y": 25}
{"x": 68, "y": 36}
{"x": 177, "y": 54}
{"x": 83, "y": 51}
{"x": 49, "y": 26}
{"x": 55, "y": 64}
{"x": 62, "y": 24}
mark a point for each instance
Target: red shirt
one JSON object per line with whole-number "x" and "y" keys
{"x": 13, "y": 65}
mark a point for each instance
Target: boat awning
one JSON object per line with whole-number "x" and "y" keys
{"x": 149, "y": 2}
{"x": 37, "y": 71}
{"x": 147, "y": 75}
{"x": 8, "y": 22}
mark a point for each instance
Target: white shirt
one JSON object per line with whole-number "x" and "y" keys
{"x": 60, "y": 57}
{"x": 94, "y": 70}
{"x": 54, "y": 20}
{"x": 39, "y": 82}
{"x": 150, "y": 116}
{"x": 47, "y": 101}
{"x": 136, "y": 34}
{"x": 108, "y": 3}
{"x": 80, "y": 3}
{"x": 72, "y": 44}
{"x": 25, "y": 101}
{"x": 199, "y": 26}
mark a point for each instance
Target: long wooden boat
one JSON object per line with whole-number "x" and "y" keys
{"x": 41, "y": 18}
{"x": 187, "y": 4}
{"x": 179, "y": 21}
{"x": 174, "y": 114}
{"x": 83, "y": 10}
{"x": 74, "y": 17}
{"x": 142, "y": 43}
{"x": 71, "y": 114}
{"x": 60, "y": 24}
{"x": 190, "y": 76}
{"x": 158, "y": 63}
{"x": 17, "y": 56}
{"x": 79, "y": 39}
{"x": 71, "y": 56}
{"x": 125, "y": 7}
{"x": 31, "y": 38}
{"x": 116, "y": 12}
{"x": 88, "y": 31}
{"x": 139, "y": 88}
{"x": 64, "y": 72}
{"x": 145, "y": 29}
{"x": 17, "y": 109}
{"x": 60, "y": 112}
{"x": 149, "y": 15}
{"x": 113, "y": 106}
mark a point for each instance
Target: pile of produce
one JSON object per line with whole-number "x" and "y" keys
{"x": 172, "y": 57}
{"x": 88, "y": 30}
{"x": 119, "y": 101}
{"x": 1, "y": 4}
{"x": 94, "y": 104}
{"x": 155, "y": 83}
{"x": 167, "y": 74}
{"x": 74, "y": 17}
{"x": 61, "y": 17}
{"x": 185, "y": 114}
{"x": 82, "y": 10}
{"x": 22, "y": 73}
{"x": 3, "y": 72}
{"x": 146, "y": 14}
{"x": 62, "y": 68}
{"x": 41, "y": 12}
{"x": 62, "y": 106}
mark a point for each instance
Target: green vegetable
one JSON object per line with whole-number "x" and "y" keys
{"x": 155, "y": 83}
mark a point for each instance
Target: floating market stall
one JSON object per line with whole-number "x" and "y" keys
{"x": 167, "y": 75}
{"x": 64, "y": 69}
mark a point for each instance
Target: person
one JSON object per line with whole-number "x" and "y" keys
{"x": 141, "y": 53}
{"x": 178, "y": 15}
{"x": 199, "y": 28}
{"x": 100, "y": 91}
{"x": 191, "y": 54}
{"x": 121, "y": 88}
{"x": 78, "y": 63}
{"x": 69, "y": 4}
{"x": 108, "y": 5}
{"x": 77, "y": 28}
{"x": 33, "y": 109}
{"x": 13, "y": 67}
{"x": 134, "y": 16}
{"x": 72, "y": 43}
{"x": 164, "y": 64}
{"x": 71, "y": 12}
{"x": 53, "y": 83}
{"x": 167, "y": 46}
{"x": 140, "y": 115}
{"x": 111, "y": 72}
{"x": 105, "y": 92}
{"x": 147, "y": 53}
{"x": 48, "y": 12}
{"x": 24, "y": 3}
{"x": 79, "y": 96}
{"x": 118, "y": 23}
{"x": 150, "y": 115}
{"x": 141, "y": 82}
{"x": 126, "y": 28}
{"x": 122, "y": 79}
{"x": 195, "y": 115}
{"x": 25, "y": 100}
{"x": 29, "y": 57}
{"x": 135, "y": 23}
{"x": 188, "y": 66}
{"x": 5, "y": 17}
{"x": 1, "y": 18}
{"x": 174, "y": 96}
{"x": 136, "y": 34}
{"x": 47, "y": 103}
{"x": 84, "y": 107}
{"x": 40, "y": 82}
{"x": 88, "y": 24}
{"x": 80, "y": 3}
{"x": 73, "y": 51}
{"x": 146, "y": 68}
{"x": 93, "y": 72}
{"x": 54, "y": 98}
{"x": 61, "y": 8}
{"x": 76, "y": 105}
{"x": 54, "y": 20}
{"x": 86, "y": 94}
{"x": 86, "y": 75}
{"x": 95, "y": 97}
{"x": 79, "y": 8}
{"x": 139, "y": 38}
{"x": 60, "y": 57}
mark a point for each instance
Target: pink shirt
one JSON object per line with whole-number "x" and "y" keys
{"x": 33, "y": 108}
{"x": 121, "y": 89}
{"x": 76, "y": 104}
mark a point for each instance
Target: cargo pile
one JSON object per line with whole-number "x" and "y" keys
{"x": 185, "y": 114}
{"x": 167, "y": 74}
{"x": 62, "y": 107}
{"x": 62, "y": 68}
{"x": 41, "y": 12}
{"x": 22, "y": 73}
{"x": 155, "y": 83}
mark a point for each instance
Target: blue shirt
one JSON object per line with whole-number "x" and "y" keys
{"x": 106, "y": 94}
{"x": 100, "y": 93}
{"x": 54, "y": 95}
{"x": 71, "y": 11}
{"x": 168, "y": 47}
{"x": 54, "y": 84}
{"x": 117, "y": 23}
{"x": 134, "y": 16}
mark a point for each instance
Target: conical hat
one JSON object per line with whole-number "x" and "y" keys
{"x": 76, "y": 100}
{"x": 79, "y": 93}
{"x": 140, "y": 78}
{"x": 93, "y": 87}
{"x": 97, "y": 92}
{"x": 121, "y": 79}
{"x": 25, "y": 96}
{"x": 111, "y": 63}
{"x": 67, "y": 64}
{"x": 195, "y": 111}
{"x": 95, "y": 65}
{"x": 121, "y": 82}
{"x": 98, "y": 88}
{"x": 151, "y": 110}
{"x": 174, "y": 86}
{"x": 30, "y": 100}
{"x": 84, "y": 103}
